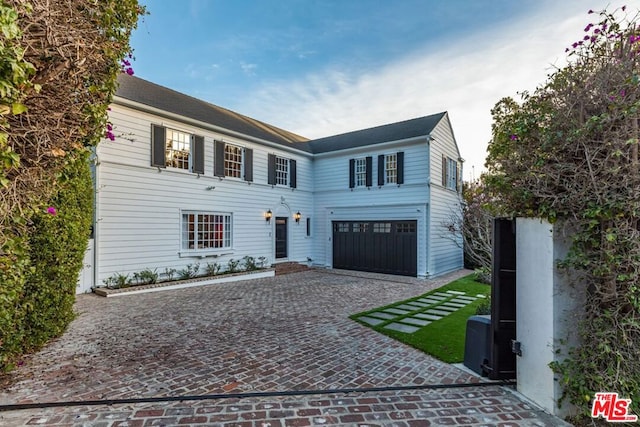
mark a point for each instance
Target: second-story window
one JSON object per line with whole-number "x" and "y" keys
{"x": 360, "y": 172}
{"x": 391, "y": 169}
{"x": 178, "y": 149}
{"x": 282, "y": 171}
{"x": 233, "y": 161}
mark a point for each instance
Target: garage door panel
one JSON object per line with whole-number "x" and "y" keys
{"x": 377, "y": 246}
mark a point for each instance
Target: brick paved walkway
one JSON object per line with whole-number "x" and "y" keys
{"x": 284, "y": 333}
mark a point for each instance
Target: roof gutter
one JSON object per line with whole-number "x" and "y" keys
{"x": 156, "y": 111}
{"x": 379, "y": 146}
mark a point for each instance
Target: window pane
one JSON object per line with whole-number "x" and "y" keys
{"x": 177, "y": 148}
{"x": 391, "y": 169}
{"x": 206, "y": 231}
{"x": 233, "y": 161}
{"x": 361, "y": 172}
{"x": 282, "y": 171}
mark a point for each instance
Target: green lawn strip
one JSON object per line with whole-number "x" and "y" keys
{"x": 444, "y": 338}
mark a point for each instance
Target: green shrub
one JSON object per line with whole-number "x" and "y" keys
{"x": 119, "y": 281}
{"x": 212, "y": 269}
{"x": 485, "y": 305}
{"x": 249, "y": 263}
{"x": 233, "y": 265}
{"x": 58, "y": 244}
{"x": 189, "y": 272}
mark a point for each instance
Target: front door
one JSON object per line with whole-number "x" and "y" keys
{"x": 281, "y": 237}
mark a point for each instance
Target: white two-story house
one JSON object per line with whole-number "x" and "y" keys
{"x": 188, "y": 182}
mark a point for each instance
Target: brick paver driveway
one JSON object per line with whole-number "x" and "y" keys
{"x": 290, "y": 332}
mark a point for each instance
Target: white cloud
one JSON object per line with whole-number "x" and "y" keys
{"x": 465, "y": 77}
{"x": 249, "y": 69}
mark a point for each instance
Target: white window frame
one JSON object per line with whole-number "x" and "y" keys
{"x": 203, "y": 236}
{"x": 451, "y": 178}
{"x": 360, "y": 172}
{"x": 228, "y": 161}
{"x": 391, "y": 168}
{"x": 176, "y": 142}
{"x": 282, "y": 171}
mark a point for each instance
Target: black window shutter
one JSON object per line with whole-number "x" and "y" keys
{"x": 369, "y": 161}
{"x": 218, "y": 168}
{"x": 400, "y": 166}
{"x": 352, "y": 173}
{"x": 198, "y": 154}
{"x": 248, "y": 164}
{"x": 158, "y": 145}
{"x": 381, "y": 169}
{"x": 271, "y": 169}
{"x": 444, "y": 171}
{"x": 292, "y": 173}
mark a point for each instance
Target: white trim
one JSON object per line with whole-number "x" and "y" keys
{"x": 250, "y": 276}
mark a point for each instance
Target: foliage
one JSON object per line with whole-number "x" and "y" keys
{"x": 569, "y": 152}
{"x": 212, "y": 269}
{"x": 473, "y": 228}
{"x": 233, "y": 265}
{"x": 169, "y": 272}
{"x": 189, "y": 272}
{"x": 58, "y": 67}
{"x": 118, "y": 281}
{"x": 485, "y": 306}
{"x": 249, "y": 263}
{"x": 146, "y": 277}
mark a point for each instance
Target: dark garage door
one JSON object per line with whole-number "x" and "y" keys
{"x": 378, "y": 246}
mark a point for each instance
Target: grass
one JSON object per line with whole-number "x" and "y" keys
{"x": 444, "y": 338}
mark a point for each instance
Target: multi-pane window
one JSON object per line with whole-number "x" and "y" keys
{"x": 451, "y": 174}
{"x": 233, "y": 160}
{"x": 341, "y": 227}
{"x": 406, "y": 227}
{"x": 360, "y": 172}
{"x": 204, "y": 230}
{"x": 177, "y": 149}
{"x": 391, "y": 168}
{"x": 382, "y": 227}
{"x": 282, "y": 171}
{"x": 360, "y": 227}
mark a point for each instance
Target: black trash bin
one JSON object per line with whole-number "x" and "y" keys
{"x": 477, "y": 344}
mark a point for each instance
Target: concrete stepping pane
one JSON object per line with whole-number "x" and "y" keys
{"x": 381, "y": 315}
{"x": 370, "y": 320}
{"x": 439, "y": 294}
{"x": 401, "y": 328}
{"x": 438, "y": 312}
{"x": 414, "y": 321}
{"x": 447, "y": 308}
{"x": 396, "y": 311}
{"x": 429, "y": 301}
{"x": 408, "y": 307}
{"x": 467, "y": 298}
{"x": 418, "y": 305}
{"x": 456, "y": 292}
{"x": 481, "y": 296}
{"x": 427, "y": 316}
{"x": 452, "y": 304}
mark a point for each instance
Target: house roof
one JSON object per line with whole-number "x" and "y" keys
{"x": 153, "y": 95}
{"x": 412, "y": 128}
{"x": 160, "y": 97}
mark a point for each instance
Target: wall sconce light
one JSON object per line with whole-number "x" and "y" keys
{"x": 297, "y": 216}
{"x": 267, "y": 215}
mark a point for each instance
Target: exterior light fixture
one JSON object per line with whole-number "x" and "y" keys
{"x": 297, "y": 216}
{"x": 267, "y": 215}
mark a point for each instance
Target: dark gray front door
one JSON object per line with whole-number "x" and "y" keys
{"x": 281, "y": 237}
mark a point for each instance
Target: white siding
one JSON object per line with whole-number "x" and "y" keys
{"x": 138, "y": 207}
{"x": 334, "y": 200}
{"x": 445, "y": 251}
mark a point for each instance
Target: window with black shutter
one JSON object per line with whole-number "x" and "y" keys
{"x": 158, "y": 144}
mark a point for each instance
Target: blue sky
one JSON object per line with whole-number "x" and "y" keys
{"x": 323, "y": 67}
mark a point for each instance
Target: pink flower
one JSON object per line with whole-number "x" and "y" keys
{"x": 129, "y": 71}
{"x": 590, "y": 11}
{"x": 108, "y": 134}
{"x": 52, "y": 211}
{"x": 513, "y": 137}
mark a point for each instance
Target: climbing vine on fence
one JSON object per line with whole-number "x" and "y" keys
{"x": 58, "y": 67}
{"x": 569, "y": 151}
